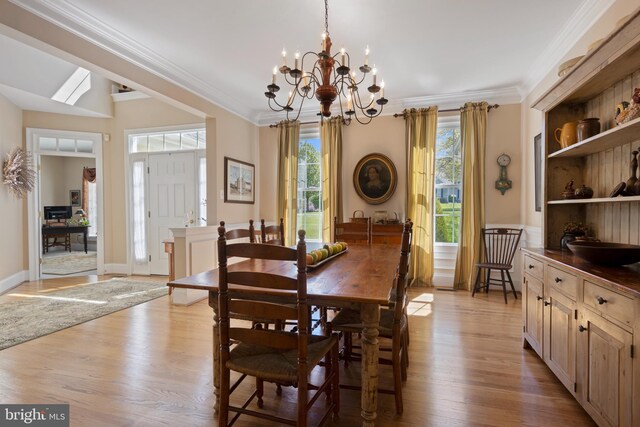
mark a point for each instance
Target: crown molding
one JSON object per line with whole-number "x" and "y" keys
{"x": 128, "y": 96}
{"x": 576, "y": 27}
{"x": 508, "y": 95}
{"x": 70, "y": 18}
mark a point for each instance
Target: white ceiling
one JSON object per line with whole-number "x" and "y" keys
{"x": 426, "y": 50}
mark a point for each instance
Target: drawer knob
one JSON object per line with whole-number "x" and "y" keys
{"x": 582, "y": 328}
{"x": 538, "y": 297}
{"x": 530, "y": 266}
{"x": 546, "y": 303}
{"x": 558, "y": 280}
{"x": 601, "y": 300}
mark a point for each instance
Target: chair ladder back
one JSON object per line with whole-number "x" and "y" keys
{"x": 400, "y": 281}
{"x": 272, "y": 234}
{"x": 262, "y": 309}
{"x": 501, "y": 244}
{"x": 262, "y": 280}
{"x": 352, "y": 232}
{"x": 239, "y": 233}
{"x": 260, "y": 251}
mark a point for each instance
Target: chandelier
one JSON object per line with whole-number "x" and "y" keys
{"x": 327, "y": 78}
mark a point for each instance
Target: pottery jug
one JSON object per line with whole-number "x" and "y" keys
{"x": 587, "y": 128}
{"x": 567, "y": 135}
{"x": 584, "y": 192}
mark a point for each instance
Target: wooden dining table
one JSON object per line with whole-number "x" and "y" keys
{"x": 360, "y": 277}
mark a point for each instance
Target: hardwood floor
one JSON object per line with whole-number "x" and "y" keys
{"x": 150, "y": 365}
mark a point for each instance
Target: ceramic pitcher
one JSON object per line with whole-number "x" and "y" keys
{"x": 567, "y": 135}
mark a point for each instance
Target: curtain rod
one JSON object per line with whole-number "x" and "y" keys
{"x": 396, "y": 115}
{"x": 450, "y": 110}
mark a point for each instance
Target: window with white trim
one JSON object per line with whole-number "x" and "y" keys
{"x": 448, "y": 184}
{"x": 310, "y": 184}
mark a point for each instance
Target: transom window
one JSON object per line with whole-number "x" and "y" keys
{"x": 448, "y": 185}
{"x": 194, "y": 139}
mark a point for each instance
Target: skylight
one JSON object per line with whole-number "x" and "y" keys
{"x": 77, "y": 85}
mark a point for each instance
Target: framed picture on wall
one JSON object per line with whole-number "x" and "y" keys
{"x": 75, "y": 198}
{"x": 239, "y": 181}
{"x": 537, "y": 158}
{"x": 375, "y": 178}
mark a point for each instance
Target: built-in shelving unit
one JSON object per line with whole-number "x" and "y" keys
{"x": 584, "y": 319}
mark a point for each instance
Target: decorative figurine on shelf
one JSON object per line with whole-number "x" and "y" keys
{"x": 584, "y": 192}
{"x": 632, "y": 111}
{"x": 569, "y": 192}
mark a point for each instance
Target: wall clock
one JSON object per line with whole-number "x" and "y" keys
{"x": 503, "y": 183}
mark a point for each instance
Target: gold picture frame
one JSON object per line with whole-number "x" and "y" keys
{"x": 375, "y": 178}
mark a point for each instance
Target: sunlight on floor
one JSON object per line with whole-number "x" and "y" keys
{"x": 59, "y": 298}
{"x": 420, "y": 305}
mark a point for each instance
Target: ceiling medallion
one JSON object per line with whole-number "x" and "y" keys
{"x": 328, "y": 78}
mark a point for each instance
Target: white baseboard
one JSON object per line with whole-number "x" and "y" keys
{"x": 13, "y": 280}
{"x": 116, "y": 269}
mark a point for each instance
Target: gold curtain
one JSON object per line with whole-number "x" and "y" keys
{"x": 88, "y": 176}
{"x": 420, "y": 134}
{"x": 473, "y": 134}
{"x": 331, "y": 143}
{"x": 288, "y": 138}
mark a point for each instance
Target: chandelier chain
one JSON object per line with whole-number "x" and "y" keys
{"x": 326, "y": 16}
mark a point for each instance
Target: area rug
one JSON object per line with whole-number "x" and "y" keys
{"x": 40, "y": 314}
{"x": 68, "y": 262}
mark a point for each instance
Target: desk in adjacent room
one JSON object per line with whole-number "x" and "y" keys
{"x": 48, "y": 231}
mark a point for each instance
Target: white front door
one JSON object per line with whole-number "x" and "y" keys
{"x": 172, "y": 195}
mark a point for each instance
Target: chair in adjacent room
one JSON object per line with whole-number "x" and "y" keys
{"x": 393, "y": 324}
{"x": 240, "y": 233}
{"x": 283, "y": 358}
{"x": 352, "y": 232}
{"x": 500, "y": 246}
{"x": 272, "y": 234}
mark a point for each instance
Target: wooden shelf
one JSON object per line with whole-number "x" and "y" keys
{"x": 617, "y": 57}
{"x": 614, "y": 137}
{"x": 595, "y": 200}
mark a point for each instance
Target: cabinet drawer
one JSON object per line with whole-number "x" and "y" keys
{"x": 562, "y": 281}
{"x": 534, "y": 267}
{"x": 608, "y": 302}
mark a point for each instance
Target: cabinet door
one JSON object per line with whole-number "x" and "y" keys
{"x": 560, "y": 337}
{"x": 532, "y": 312}
{"x": 604, "y": 369}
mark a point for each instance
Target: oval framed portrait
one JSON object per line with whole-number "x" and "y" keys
{"x": 375, "y": 178}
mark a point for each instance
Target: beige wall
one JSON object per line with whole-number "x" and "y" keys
{"x": 532, "y": 119}
{"x": 12, "y": 259}
{"x": 385, "y": 135}
{"x": 503, "y": 136}
{"x": 58, "y": 176}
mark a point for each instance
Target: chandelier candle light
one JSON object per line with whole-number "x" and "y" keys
{"x": 328, "y": 82}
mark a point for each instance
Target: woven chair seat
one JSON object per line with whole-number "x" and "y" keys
{"x": 348, "y": 320}
{"x": 277, "y": 366}
{"x": 494, "y": 265}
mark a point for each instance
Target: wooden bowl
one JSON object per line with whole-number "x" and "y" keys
{"x": 612, "y": 254}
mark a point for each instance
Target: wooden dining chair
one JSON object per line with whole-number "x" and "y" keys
{"x": 393, "y": 323}
{"x": 283, "y": 358}
{"x": 240, "y": 233}
{"x": 352, "y": 232}
{"x": 272, "y": 234}
{"x": 500, "y": 246}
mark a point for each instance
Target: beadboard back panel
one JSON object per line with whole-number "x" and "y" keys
{"x": 612, "y": 222}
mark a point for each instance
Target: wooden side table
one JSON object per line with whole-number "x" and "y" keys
{"x": 169, "y": 249}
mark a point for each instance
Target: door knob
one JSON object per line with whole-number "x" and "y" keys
{"x": 538, "y": 297}
{"x": 582, "y": 328}
{"x": 530, "y": 266}
{"x": 558, "y": 280}
{"x": 601, "y": 300}
{"x": 546, "y": 303}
